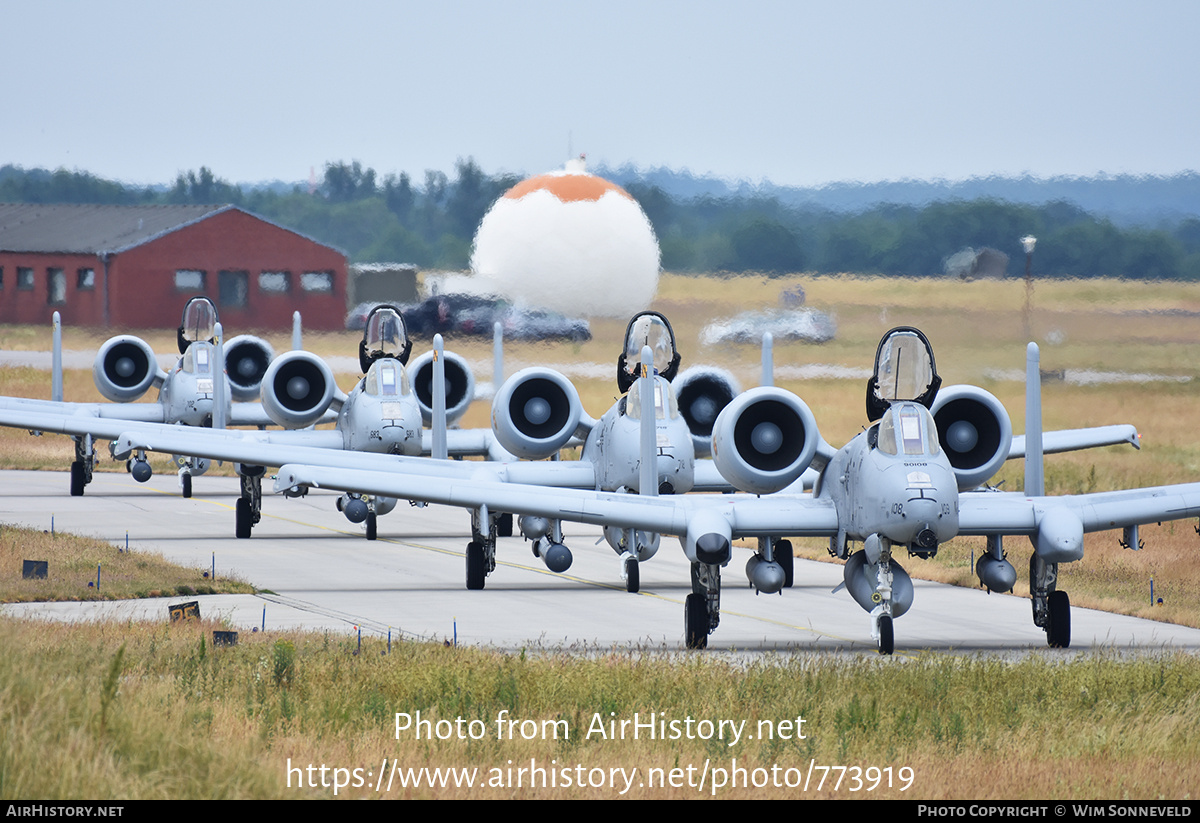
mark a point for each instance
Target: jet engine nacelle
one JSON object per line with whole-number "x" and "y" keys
{"x": 702, "y": 392}
{"x": 975, "y": 432}
{"x": 297, "y": 389}
{"x": 460, "y": 385}
{"x": 764, "y": 439}
{"x": 247, "y": 359}
{"x": 535, "y": 413}
{"x": 126, "y": 368}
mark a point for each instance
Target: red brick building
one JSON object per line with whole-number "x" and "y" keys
{"x": 135, "y": 266}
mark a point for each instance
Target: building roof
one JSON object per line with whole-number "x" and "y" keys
{"x": 90, "y": 229}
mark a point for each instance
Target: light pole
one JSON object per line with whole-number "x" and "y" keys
{"x": 1027, "y": 243}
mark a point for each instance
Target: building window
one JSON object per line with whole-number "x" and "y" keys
{"x": 85, "y": 280}
{"x": 189, "y": 280}
{"x": 275, "y": 282}
{"x": 232, "y": 287}
{"x": 320, "y": 282}
{"x": 1, "y": 277}
{"x": 56, "y": 293}
{"x": 24, "y": 278}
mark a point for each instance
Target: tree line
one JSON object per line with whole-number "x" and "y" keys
{"x": 431, "y": 224}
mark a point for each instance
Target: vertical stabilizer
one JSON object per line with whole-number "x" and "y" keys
{"x": 1035, "y": 476}
{"x": 648, "y": 468}
{"x": 768, "y": 360}
{"x": 56, "y": 366}
{"x": 440, "y": 449}
{"x": 497, "y": 357}
{"x": 297, "y": 334}
{"x": 220, "y": 381}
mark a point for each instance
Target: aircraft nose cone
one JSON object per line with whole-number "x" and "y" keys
{"x": 297, "y": 387}
{"x": 766, "y": 438}
{"x": 961, "y": 436}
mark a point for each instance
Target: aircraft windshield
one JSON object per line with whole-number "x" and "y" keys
{"x": 386, "y": 380}
{"x": 199, "y": 320}
{"x": 198, "y": 359}
{"x": 904, "y": 367}
{"x": 665, "y": 404}
{"x": 648, "y": 330}
{"x": 384, "y": 335}
{"x": 906, "y": 428}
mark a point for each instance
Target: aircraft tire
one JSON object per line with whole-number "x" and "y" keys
{"x": 783, "y": 556}
{"x": 887, "y": 635}
{"x": 78, "y": 480}
{"x": 476, "y": 574}
{"x": 695, "y": 621}
{"x": 372, "y": 525}
{"x": 186, "y": 481}
{"x": 633, "y": 575}
{"x": 244, "y": 520}
{"x": 1058, "y": 630}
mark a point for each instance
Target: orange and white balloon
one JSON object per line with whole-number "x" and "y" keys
{"x": 569, "y": 241}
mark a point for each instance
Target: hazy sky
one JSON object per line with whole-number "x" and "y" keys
{"x": 796, "y": 92}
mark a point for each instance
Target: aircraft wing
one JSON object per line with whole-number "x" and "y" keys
{"x": 747, "y": 515}
{"x": 985, "y": 512}
{"x": 241, "y": 414}
{"x": 140, "y": 412}
{"x": 779, "y": 515}
{"x": 469, "y": 443}
{"x": 1065, "y": 440}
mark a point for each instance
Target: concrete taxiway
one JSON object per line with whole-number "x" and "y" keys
{"x": 325, "y": 575}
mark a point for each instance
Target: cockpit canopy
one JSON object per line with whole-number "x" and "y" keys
{"x": 648, "y": 328}
{"x": 908, "y": 429}
{"x": 199, "y": 323}
{"x": 384, "y": 336}
{"x": 666, "y": 407}
{"x": 904, "y": 371}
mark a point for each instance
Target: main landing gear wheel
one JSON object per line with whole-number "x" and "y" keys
{"x": 244, "y": 519}
{"x": 186, "y": 481}
{"x": 887, "y": 637}
{"x": 633, "y": 576}
{"x": 476, "y": 566}
{"x": 695, "y": 621}
{"x": 372, "y": 525}
{"x": 1058, "y": 632}
{"x": 78, "y": 478}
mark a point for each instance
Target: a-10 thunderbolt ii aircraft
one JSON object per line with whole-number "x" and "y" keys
{"x": 534, "y": 414}
{"x": 190, "y": 393}
{"x": 906, "y": 483}
{"x": 382, "y": 414}
{"x": 538, "y": 409}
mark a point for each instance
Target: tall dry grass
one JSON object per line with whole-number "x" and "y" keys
{"x": 108, "y": 711}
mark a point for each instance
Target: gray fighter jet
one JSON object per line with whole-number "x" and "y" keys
{"x": 907, "y": 483}
{"x": 189, "y": 394}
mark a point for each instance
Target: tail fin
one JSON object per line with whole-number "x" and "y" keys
{"x": 1035, "y": 473}
{"x": 440, "y": 448}
{"x": 648, "y": 470}
{"x": 56, "y": 366}
{"x": 220, "y": 384}
{"x": 768, "y": 360}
